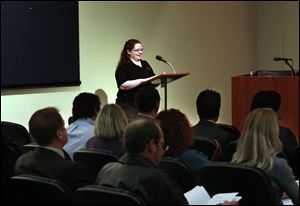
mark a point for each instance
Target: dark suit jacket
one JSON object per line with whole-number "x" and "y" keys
{"x": 47, "y": 163}
{"x": 142, "y": 177}
{"x": 287, "y": 137}
{"x": 210, "y": 129}
{"x": 289, "y": 149}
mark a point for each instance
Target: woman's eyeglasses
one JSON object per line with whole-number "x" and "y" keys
{"x": 165, "y": 147}
{"x": 138, "y": 50}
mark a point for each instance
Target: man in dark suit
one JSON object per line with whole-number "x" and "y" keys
{"x": 46, "y": 126}
{"x": 138, "y": 170}
{"x": 208, "y": 108}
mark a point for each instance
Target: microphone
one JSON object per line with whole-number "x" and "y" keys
{"x": 281, "y": 59}
{"x": 285, "y": 61}
{"x": 159, "y": 58}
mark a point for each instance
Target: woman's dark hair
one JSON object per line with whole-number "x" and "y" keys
{"x": 266, "y": 98}
{"x": 128, "y": 46}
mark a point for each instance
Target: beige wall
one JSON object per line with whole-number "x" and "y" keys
{"x": 277, "y": 34}
{"x": 212, "y": 40}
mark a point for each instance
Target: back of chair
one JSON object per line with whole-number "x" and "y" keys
{"x": 15, "y": 133}
{"x": 30, "y": 189}
{"x": 253, "y": 184}
{"x": 103, "y": 195}
{"x": 9, "y": 155}
{"x": 94, "y": 159}
{"x": 4, "y": 188}
{"x": 210, "y": 147}
{"x": 179, "y": 172}
{"x": 231, "y": 149}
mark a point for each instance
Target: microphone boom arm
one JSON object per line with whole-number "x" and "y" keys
{"x": 159, "y": 58}
{"x": 286, "y": 61}
{"x": 171, "y": 67}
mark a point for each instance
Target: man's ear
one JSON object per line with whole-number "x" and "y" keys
{"x": 151, "y": 146}
{"x": 60, "y": 134}
{"x": 94, "y": 116}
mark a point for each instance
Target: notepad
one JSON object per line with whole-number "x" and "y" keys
{"x": 199, "y": 196}
{"x": 222, "y": 197}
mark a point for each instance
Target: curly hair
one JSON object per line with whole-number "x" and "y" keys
{"x": 177, "y": 131}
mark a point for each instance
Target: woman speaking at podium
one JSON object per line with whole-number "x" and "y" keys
{"x": 131, "y": 73}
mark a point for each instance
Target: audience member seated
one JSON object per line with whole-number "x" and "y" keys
{"x": 208, "y": 105}
{"x": 147, "y": 100}
{"x": 272, "y": 99}
{"x": 138, "y": 170}
{"x": 109, "y": 127}
{"x": 258, "y": 146}
{"x": 47, "y": 128}
{"x": 84, "y": 112}
{"x": 179, "y": 139}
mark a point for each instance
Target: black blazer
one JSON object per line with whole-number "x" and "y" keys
{"x": 287, "y": 137}
{"x": 210, "y": 129}
{"x": 47, "y": 163}
{"x": 141, "y": 176}
{"x": 289, "y": 149}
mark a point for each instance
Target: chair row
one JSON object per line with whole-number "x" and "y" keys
{"x": 95, "y": 159}
{"x": 252, "y": 184}
{"x": 30, "y": 189}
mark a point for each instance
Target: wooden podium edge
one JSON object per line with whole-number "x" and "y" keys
{"x": 173, "y": 76}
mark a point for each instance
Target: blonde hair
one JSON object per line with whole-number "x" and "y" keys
{"x": 110, "y": 123}
{"x": 259, "y": 142}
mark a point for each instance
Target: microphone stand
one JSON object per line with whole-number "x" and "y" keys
{"x": 286, "y": 61}
{"x": 171, "y": 67}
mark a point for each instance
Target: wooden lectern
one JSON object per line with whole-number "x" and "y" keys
{"x": 244, "y": 87}
{"x": 165, "y": 78}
